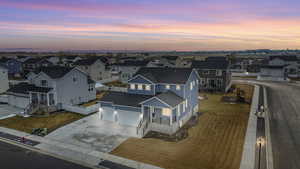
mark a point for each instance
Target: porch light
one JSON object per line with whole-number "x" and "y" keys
{"x": 141, "y": 116}
{"x": 115, "y": 112}
{"x": 100, "y": 109}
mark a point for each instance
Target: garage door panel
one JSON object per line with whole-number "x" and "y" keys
{"x": 128, "y": 118}
{"x": 108, "y": 114}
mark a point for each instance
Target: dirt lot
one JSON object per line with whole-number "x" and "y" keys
{"x": 215, "y": 143}
{"x": 51, "y": 122}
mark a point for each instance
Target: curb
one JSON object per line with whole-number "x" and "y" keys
{"x": 270, "y": 164}
{"x": 248, "y": 156}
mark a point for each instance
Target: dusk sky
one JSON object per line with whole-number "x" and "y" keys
{"x": 150, "y": 25}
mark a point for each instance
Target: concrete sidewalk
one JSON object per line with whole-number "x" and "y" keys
{"x": 75, "y": 152}
{"x": 248, "y": 157}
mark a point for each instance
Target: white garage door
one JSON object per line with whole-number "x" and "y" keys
{"x": 108, "y": 114}
{"x": 20, "y": 102}
{"x": 128, "y": 118}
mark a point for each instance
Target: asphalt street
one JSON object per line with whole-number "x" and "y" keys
{"x": 14, "y": 157}
{"x": 284, "y": 105}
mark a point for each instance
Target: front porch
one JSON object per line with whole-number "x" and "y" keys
{"x": 42, "y": 98}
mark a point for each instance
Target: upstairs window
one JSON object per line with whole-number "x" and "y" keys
{"x": 191, "y": 86}
{"x": 178, "y": 87}
{"x": 168, "y": 87}
{"x": 132, "y": 86}
{"x": 140, "y": 87}
{"x": 44, "y": 83}
{"x": 148, "y": 87}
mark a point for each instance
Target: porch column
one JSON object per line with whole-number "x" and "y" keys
{"x": 48, "y": 102}
{"x": 142, "y": 116}
{"x": 30, "y": 97}
{"x": 171, "y": 117}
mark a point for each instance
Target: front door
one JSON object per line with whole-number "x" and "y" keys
{"x": 146, "y": 115}
{"x": 34, "y": 98}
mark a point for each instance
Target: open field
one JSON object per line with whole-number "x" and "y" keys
{"x": 216, "y": 142}
{"x": 51, "y": 122}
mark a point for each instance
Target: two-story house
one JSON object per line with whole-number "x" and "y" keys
{"x": 3, "y": 79}
{"x": 94, "y": 67}
{"x": 125, "y": 70}
{"x": 53, "y": 86}
{"x": 35, "y": 63}
{"x": 158, "y": 99}
{"x": 214, "y": 74}
{"x": 14, "y": 66}
{"x": 280, "y": 68}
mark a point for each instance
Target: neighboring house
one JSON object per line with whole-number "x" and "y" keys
{"x": 14, "y": 66}
{"x": 162, "y": 62}
{"x": 69, "y": 60}
{"x": 127, "y": 69}
{"x": 158, "y": 99}
{"x": 53, "y": 86}
{"x": 94, "y": 67}
{"x": 23, "y": 58}
{"x": 280, "y": 68}
{"x": 3, "y": 79}
{"x": 35, "y": 63}
{"x": 214, "y": 74}
{"x": 53, "y": 59}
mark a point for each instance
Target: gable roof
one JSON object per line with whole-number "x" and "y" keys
{"x": 55, "y": 72}
{"x": 209, "y": 64}
{"x": 139, "y": 63}
{"x": 86, "y": 62}
{"x": 25, "y": 88}
{"x": 35, "y": 60}
{"x": 170, "y": 98}
{"x": 126, "y": 99}
{"x": 288, "y": 58}
{"x": 165, "y": 75}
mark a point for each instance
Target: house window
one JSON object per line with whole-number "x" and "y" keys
{"x": 166, "y": 112}
{"x": 74, "y": 79}
{"x": 167, "y": 87}
{"x": 140, "y": 87}
{"x": 186, "y": 103}
{"x": 132, "y": 86}
{"x": 44, "y": 83}
{"x": 148, "y": 87}
{"x": 177, "y": 87}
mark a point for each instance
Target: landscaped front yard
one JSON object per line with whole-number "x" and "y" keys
{"x": 50, "y": 122}
{"x": 216, "y": 142}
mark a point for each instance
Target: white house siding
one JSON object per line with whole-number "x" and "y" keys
{"x": 96, "y": 71}
{"x": 18, "y": 101}
{"x": 70, "y": 92}
{"x": 3, "y": 80}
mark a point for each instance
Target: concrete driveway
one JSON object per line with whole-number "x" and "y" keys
{"x": 8, "y": 111}
{"x": 91, "y": 132}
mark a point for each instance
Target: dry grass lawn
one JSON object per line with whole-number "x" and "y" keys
{"x": 51, "y": 122}
{"x": 215, "y": 143}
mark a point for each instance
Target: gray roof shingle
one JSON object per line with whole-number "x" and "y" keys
{"x": 126, "y": 99}
{"x": 210, "y": 64}
{"x": 170, "y": 98}
{"x": 25, "y": 88}
{"x": 166, "y": 75}
{"x": 54, "y": 72}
